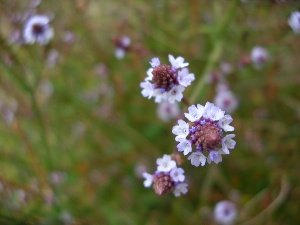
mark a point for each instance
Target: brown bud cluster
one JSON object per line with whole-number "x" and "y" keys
{"x": 164, "y": 77}
{"x": 207, "y": 136}
{"x": 162, "y": 184}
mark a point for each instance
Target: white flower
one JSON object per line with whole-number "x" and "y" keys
{"x": 185, "y": 78}
{"x": 148, "y": 179}
{"x": 213, "y": 112}
{"x": 224, "y": 123}
{"x": 177, "y": 174}
{"x": 160, "y": 96}
{"x": 294, "y": 21}
{"x": 165, "y": 164}
{"x": 125, "y": 41}
{"x": 181, "y": 130}
{"x": 180, "y": 189}
{"x": 184, "y": 145}
{"x": 225, "y": 212}
{"x": 178, "y": 62}
{"x": 148, "y": 89}
{"x": 155, "y": 62}
{"x": 167, "y": 111}
{"x": 149, "y": 75}
{"x": 215, "y": 156}
{"x": 175, "y": 94}
{"x": 119, "y": 53}
{"x": 259, "y": 56}
{"x": 195, "y": 113}
{"x": 197, "y": 158}
{"x": 226, "y": 100}
{"x": 228, "y": 143}
{"x": 37, "y": 29}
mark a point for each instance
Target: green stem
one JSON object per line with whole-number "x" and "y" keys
{"x": 215, "y": 54}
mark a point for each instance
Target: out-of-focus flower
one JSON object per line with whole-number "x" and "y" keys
{"x": 122, "y": 46}
{"x": 44, "y": 90}
{"x": 168, "y": 177}
{"x": 37, "y": 30}
{"x": 259, "y": 56}
{"x": 67, "y": 218}
{"x": 214, "y": 77}
{"x": 226, "y": 100}
{"x": 69, "y": 37}
{"x": 167, "y": 82}
{"x": 8, "y": 108}
{"x": 205, "y": 132}
{"x": 225, "y": 212}
{"x": 294, "y": 21}
{"x": 52, "y": 58}
{"x": 57, "y": 177}
{"x": 226, "y": 68}
{"x": 167, "y": 111}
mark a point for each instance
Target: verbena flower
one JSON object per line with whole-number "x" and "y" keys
{"x": 37, "y": 30}
{"x": 259, "y": 56}
{"x": 294, "y": 21}
{"x": 225, "y": 212}
{"x": 205, "y": 130}
{"x": 167, "y": 178}
{"x": 122, "y": 46}
{"x": 167, "y": 82}
{"x": 167, "y": 111}
{"x": 226, "y": 100}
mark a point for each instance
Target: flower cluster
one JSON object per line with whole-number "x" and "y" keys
{"x": 225, "y": 212}
{"x": 167, "y": 82}
{"x": 168, "y": 177}
{"x": 37, "y": 29}
{"x": 205, "y": 132}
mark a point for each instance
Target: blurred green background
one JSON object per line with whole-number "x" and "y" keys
{"x": 76, "y": 133}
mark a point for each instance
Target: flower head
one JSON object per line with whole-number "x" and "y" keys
{"x": 226, "y": 100}
{"x": 294, "y": 22}
{"x": 122, "y": 46}
{"x": 225, "y": 212}
{"x": 167, "y": 111}
{"x": 259, "y": 56}
{"x": 167, "y": 178}
{"x": 37, "y": 29}
{"x": 168, "y": 81}
{"x": 204, "y": 131}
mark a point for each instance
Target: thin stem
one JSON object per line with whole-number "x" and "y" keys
{"x": 285, "y": 188}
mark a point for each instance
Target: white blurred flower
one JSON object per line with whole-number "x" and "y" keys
{"x": 197, "y": 158}
{"x": 294, "y": 21}
{"x": 259, "y": 56}
{"x": 37, "y": 29}
{"x": 148, "y": 179}
{"x": 167, "y": 111}
{"x": 225, "y": 212}
{"x": 180, "y": 189}
{"x": 226, "y": 100}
